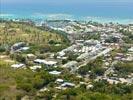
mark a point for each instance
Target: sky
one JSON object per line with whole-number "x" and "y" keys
{"x": 62, "y": 1}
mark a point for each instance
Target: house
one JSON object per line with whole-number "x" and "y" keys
{"x": 44, "y": 89}
{"x": 72, "y": 65}
{"x": 51, "y": 63}
{"x": 55, "y": 72}
{"x": 21, "y": 46}
{"x": 47, "y": 63}
{"x": 35, "y": 67}
{"x": 52, "y": 55}
{"x": 59, "y": 87}
{"x": 18, "y": 66}
{"x": 128, "y": 58}
{"x": 67, "y": 84}
{"x": 112, "y": 81}
{"x": 61, "y": 54}
{"x": 130, "y": 49}
{"x": 40, "y": 61}
{"x": 79, "y": 41}
{"x": 89, "y": 86}
{"x": 17, "y": 46}
{"x": 64, "y": 58}
{"x": 91, "y": 42}
{"x": 85, "y": 49}
{"x": 58, "y": 57}
{"x": 24, "y": 49}
{"x": 59, "y": 80}
{"x": 123, "y": 80}
{"x": 31, "y": 56}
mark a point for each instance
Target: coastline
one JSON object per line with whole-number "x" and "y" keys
{"x": 43, "y": 17}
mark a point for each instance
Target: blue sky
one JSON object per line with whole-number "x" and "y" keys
{"x": 62, "y": 1}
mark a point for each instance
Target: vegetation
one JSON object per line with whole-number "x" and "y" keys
{"x": 112, "y": 39}
{"x": 123, "y": 69}
{"x": 24, "y": 82}
{"x": 93, "y": 68}
{"x": 37, "y": 38}
{"x": 101, "y": 91}
{"x": 95, "y": 36}
{"x": 128, "y": 36}
{"x": 21, "y": 81}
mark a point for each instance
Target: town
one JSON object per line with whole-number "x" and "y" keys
{"x": 92, "y": 53}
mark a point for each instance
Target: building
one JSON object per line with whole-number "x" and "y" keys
{"x": 67, "y": 84}
{"x": 61, "y": 54}
{"x": 35, "y": 67}
{"x": 59, "y": 81}
{"x": 21, "y": 46}
{"x": 51, "y": 63}
{"x": 18, "y": 66}
{"x": 130, "y": 49}
{"x": 24, "y": 49}
{"x": 31, "y": 56}
{"x": 40, "y": 61}
{"x": 55, "y": 72}
{"x": 91, "y": 42}
{"x": 90, "y": 86}
{"x": 17, "y": 46}
{"x": 47, "y": 63}
{"x": 72, "y": 65}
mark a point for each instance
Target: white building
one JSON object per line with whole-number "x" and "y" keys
{"x": 59, "y": 80}
{"x": 61, "y": 54}
{"x": 31, "y": 56}
{"x": 89, "y": 86}
{"x": 67, "y": 84}
{"x": 47, "y": 63}
{"x": 130, "y": 49}
{"x": 18, "y": 66}
{"x": 24, "y": 49}
{"x": 91, "y": 42}
{"x": 35, "y": 67}
{"x": 55, "y": 72}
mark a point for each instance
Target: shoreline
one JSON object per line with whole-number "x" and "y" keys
{"x": 37, "y": 18}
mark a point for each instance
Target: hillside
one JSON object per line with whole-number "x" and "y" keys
{"x": 15, "y": 84}
{"x": 40, "y": 63}
{"x": 13, "y": 32}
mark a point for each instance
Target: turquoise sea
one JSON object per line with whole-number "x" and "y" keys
{"x": 101, "y": 12}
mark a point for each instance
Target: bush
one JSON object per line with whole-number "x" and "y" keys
{"x": 95, "y": 68}
{"x": 18, "y": 57}
{"x": 2, "y": 49}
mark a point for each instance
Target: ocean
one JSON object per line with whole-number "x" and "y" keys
{"x": 100, "y": 12}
